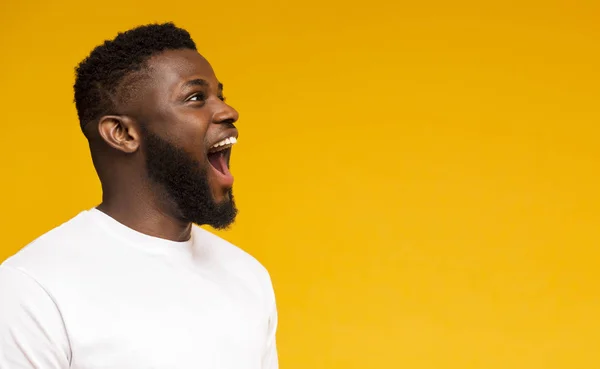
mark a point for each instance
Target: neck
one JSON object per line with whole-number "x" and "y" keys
{"x": 143, "y": 212}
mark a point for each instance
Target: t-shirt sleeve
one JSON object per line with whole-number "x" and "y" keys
{"x": 270, "y": 357}
{"x": 32, "y": 332}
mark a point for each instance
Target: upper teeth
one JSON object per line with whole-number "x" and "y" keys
{"x": 221, "y": 144}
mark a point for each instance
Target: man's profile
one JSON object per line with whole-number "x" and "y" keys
{"x": 132, "y": 283}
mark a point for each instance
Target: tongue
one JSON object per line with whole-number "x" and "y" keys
{"x": 217, "y": 160}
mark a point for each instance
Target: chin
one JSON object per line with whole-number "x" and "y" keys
{"x": 218, "y": 213}
{"x": 221, "y": 195}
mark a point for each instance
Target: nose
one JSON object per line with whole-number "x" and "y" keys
{"x": 225, "y": 114}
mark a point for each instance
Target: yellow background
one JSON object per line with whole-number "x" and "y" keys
{"x": 420, "y": 178}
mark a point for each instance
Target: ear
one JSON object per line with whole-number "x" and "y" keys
{"x": 119, "y": 132}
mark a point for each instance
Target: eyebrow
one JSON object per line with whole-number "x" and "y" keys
{"x": 200, "y": 82}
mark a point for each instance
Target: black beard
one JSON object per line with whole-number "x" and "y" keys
{"x": 186, "y": 184}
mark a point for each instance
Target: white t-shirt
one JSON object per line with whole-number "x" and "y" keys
{"x": 95, "y": 294}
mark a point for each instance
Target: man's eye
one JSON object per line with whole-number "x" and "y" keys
{"x": 222, "y": 98}
{"x": 197, "y": 97}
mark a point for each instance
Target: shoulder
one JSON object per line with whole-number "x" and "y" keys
{"x": 51, "y": 250}
{"x": 234, "y": 258}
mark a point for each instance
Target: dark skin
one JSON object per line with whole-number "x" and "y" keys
{"x": 180, "y": 100}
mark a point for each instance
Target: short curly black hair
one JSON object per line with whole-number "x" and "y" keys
{"x": 99, "y": 78}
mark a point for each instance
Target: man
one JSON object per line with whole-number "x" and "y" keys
{"x": 131, "y": 283}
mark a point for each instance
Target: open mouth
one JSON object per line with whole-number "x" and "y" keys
{"x": 219, "y": 154}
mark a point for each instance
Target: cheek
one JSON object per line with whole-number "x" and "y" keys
{"x": 187, "y": 128}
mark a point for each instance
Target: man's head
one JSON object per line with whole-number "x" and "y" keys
{"x": 152, "y": 107}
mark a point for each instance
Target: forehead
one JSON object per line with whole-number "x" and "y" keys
{"x": 170, "y": 69}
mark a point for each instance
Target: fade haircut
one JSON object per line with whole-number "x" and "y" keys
{"x": 102, "y": 77}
